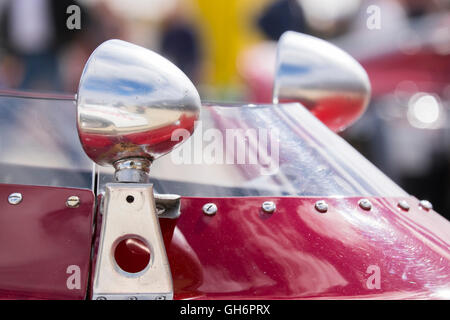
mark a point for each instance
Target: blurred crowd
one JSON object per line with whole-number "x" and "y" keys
{"x": 226, "y": 47}
{"x": 211, "y": 41}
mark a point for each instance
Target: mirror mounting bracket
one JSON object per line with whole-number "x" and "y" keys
{"x": 130, "y": 217}
{"x": 129, "y": 126}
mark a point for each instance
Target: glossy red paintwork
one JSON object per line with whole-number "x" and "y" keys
{"x": 297, "y": 252}
{"x": 132, "y": 255}
{"x": 241, "y": 252}
{"x": 40, "y": 238}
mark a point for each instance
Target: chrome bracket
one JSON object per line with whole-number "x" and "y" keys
{"x": 129, "y": 213}
{"x": 167, "y": 205}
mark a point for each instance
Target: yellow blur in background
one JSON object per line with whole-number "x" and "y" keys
{"x": 227, "y": 27}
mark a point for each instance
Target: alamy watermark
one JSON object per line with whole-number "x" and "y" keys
{"x": 74, "y": 279}
{"x": 374, "y": 280}
{"x": 236, "y": 146}
{"x": 373, "y": 21}
{"x": 73, "y": 22}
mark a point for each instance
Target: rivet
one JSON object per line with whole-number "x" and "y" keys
{"x": 365, "y": 204}
{"x": 425, "y": 204}
{"x": 321, "y": 206}
{"x": 15, "y": 198}
{"x": 268, "y": 206}
{"x": 210, "y": 209}
{"x": 73, "y": 202}
{"x": 160, "y": 298}
{"x": 403, "y": 205}
{"x": 132, "y": 298}
{"x": 101, "y": 298}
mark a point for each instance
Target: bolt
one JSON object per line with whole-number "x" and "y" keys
{"x": 365, "y": 204}
{"x": 73, "y": 202}
{"x": 425, "y": 204}
{"x": 321, "y": 206}
{"x": 403, "y": 205}
{"x": 268, "y": 206}
{"x": 210, "y": 209}
{"x": 15, "y": 198}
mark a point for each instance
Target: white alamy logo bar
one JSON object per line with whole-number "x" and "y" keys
{"x": 258, "y": 147}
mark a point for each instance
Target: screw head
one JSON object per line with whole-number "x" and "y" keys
{"x": 100, "y": 298}
{"x": 321, "y": 206}
{"x": 210, "y": 209}
{"x": 268, "y": 206}
{"x": 403, "y": 205}
{"x": 15, "y": 198}
{"x": 73, "y": 202}
{"x": 425, "y": 204}
{"x": 365, "y": 204}
{"x": 132, "y": 298}
{"x": 160, "y": 298}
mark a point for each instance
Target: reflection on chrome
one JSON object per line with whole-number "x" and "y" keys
{"x": 322, "y": 77}
{"x": 129, "y": 102}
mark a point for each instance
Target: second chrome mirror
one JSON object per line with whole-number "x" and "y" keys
{"x": 325, "y": 79}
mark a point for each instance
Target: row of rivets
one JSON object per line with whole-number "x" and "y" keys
{"x": 16, "y": 198}
{"x": 268, "y": 206}
{"x": 321, "y": 206}
{"x": 365, "y": 204}
{"x": 210, "y": 209}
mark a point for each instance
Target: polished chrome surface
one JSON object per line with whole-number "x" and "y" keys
{"x": 209, "y": 209}
{"x": 129, "y": 212}
{"x": 132, "y": 170}
{"x": 321, "y": 206}
{"x": 129, "y": 102}
{"x": 365, "y": 204}
{"x": 322, "y": 77}
{"x": 73, "y": 202}
{"x": 168, "y": 205}
{"x": 404, "y": 205}
{"x": 15, "y": 198}
{"x": 425, "y": 204}
{"x": 269, "y": 206}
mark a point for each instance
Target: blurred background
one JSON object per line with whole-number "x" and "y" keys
{"x": 227, "y": 48}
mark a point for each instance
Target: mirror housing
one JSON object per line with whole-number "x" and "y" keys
{"x": 130, "y": 100}
{"x": 325, "y": 79}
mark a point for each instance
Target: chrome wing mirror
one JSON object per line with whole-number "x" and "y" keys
{"x": 325, "y": 79}
{"x": 130, "y": 100}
